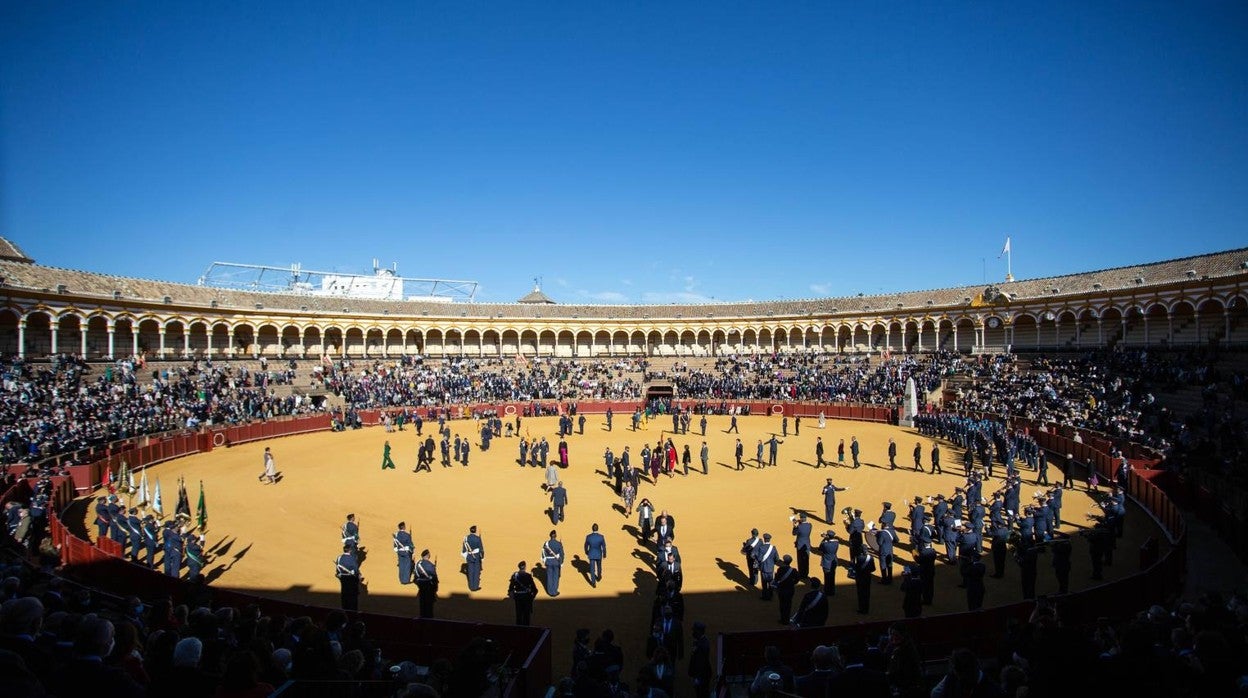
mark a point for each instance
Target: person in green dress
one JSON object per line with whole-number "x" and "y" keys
{"x": 386, "y": 461}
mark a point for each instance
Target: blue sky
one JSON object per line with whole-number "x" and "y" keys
{"x": 625, "y": 151}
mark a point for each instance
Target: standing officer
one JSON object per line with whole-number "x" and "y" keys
{"x": 854, "y": 450}
{"x": 474, "y": 554}
{"x": 580, "y": 425}
{"x": 702, "y": 423}
{"x": 927, "y": 571}
{"x": 173, "y": 551}
{"x": 862, "y": 567}
{"x": 766, "y": 560}
{"x": 552, "y": 561}
{"x": 135, "y": 524}
{"x": 347, "y": 569}
{"x": 773, "y": 447}
{"x": 786, "y": 587}
{"x": 404, "y": 548}
{"x": 705, "y": 455}
{"x": 351, "y": 532}
{"x": 150, "y": 531}
{"x": 892, "y": 454}
{"x": 595, "y": 551}
{"x": 884, "y": 540}
{"x": 998, "y": 546}
{"x": 973, "y": 578}
{"x": 819, "y": 462}
{"x": 194, "y": 557}
{"x": 829, "y": 500}
{"x": 801, "y": 541}
{"x": 828, "y": 548}
{"x": 740, "y": 453}
{"x": 522, "y": 589}
{"x": 610, "y": 414}
{"x": 784, "y": 426}
{"x": 426, "y": 584}
{"x": 558, "y": 500}
{"x": 748, "y": 548}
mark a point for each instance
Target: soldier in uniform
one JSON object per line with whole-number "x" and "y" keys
{"x": 102, "y": 522}
{"x": 862, "y": 567}
{"x": 801, "y": 542}
{"x": 1061, "y": 550}
{"x": 786, "y": 587}
{"x": 885, "y": 537}
{"x": 426, "y": 584}
{"x": 150, "y": 533}
{"x": 552, "y": 561}
{"x": 404, "y": 548}
{"x": 474, "y": 555}
{"x": 927, "y": 571}
{"x": 117, "y": 523}
{"x": 347, "y": 569}
{"x": 522, "y": 589}
{"x": 135, "y": 524}
{"x": 173, "y": 551}
{"x": 751, "y": 558}
{"x": 194, "y": 557}
{"x": 829, "y": 500}
{"x": 855, "y": 527}
{"x": 827, "y": 550}
{"x": 351, "y": 532}
{"x": 766, "y": 558}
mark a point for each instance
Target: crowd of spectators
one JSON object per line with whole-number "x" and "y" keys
{"x": 59, "y": 638}
{"x": 415, "y": 382}
{"x": 815, "y": 377}
{"x": 68, "y": 405}
{"x": 1192, "y": 650}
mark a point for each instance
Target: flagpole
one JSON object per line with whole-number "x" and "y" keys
{"x": 1009, "y": 272}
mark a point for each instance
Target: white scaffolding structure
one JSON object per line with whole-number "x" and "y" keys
{"x": 382, "y": 284}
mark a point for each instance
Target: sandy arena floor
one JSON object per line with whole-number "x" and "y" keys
{"x": 281, "y": 540}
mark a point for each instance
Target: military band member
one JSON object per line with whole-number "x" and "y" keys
{"x": 884, "y": 539}
{"x": 173, "y": 551}
{"x": 862, "y": 567}
{"x": 426, "y": 584}
{"x": 135, "y": 526}
{"x": 855, "y": 527}
{"x": 403, "y": 548}
{"x": 767, "y": 557}
{"x": 785, "y": 582}
{"x": 522, "y": 589}
{"x": 828, "y": 549}
{"x": 474, "y": 555}
{"x": 751, "y": 558}
{"x": 347, "y": 569}
{"x": 102, "y": 521}
{"x": 552, "y": 561}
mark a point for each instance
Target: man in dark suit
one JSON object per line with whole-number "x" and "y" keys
{"x": 558, "y": 500}
{"x": 739, "y": 452}
{"x": 801, "y": 541}
{"x": 892, "y": 454}
{"x": 812, "y": 612}
{"x": 522, "y": 590}
{"x": 86, "y": 674}
{"x": 819, "y": 462}
{"x": 664, "y": 527}
{"x": 595, "y": 551}
{"x": 918, "y": 456}
{"x": 815, "y": 684}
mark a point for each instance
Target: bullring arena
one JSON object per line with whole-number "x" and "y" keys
{"x": 846, "y": 358}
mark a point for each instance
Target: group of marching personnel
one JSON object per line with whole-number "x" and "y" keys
{"x": 142, "y": 536}
{"x": 423, "y": 571}
{"x": 964, "y": 523}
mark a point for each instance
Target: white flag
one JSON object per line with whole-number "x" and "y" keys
{"x": 158, "y": 506}
{"x": 143, "y": 491}
{"x": 1005, "y": 250}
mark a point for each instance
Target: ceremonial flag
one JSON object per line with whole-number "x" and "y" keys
{"x": 1005, "y": 250}
{"x": 184, "y": 502}
{"x": 143, "y": 492}
{"x": 202, "y": 509}
{"x": 121, "y": 476}
{"x": 130, "y": 481}
{"x": 158, "y": 506}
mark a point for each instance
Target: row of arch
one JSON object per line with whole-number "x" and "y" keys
{"x": 44, "y": 330}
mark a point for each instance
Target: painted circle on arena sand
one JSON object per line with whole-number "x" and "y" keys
{"x": 280, "y": 540}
